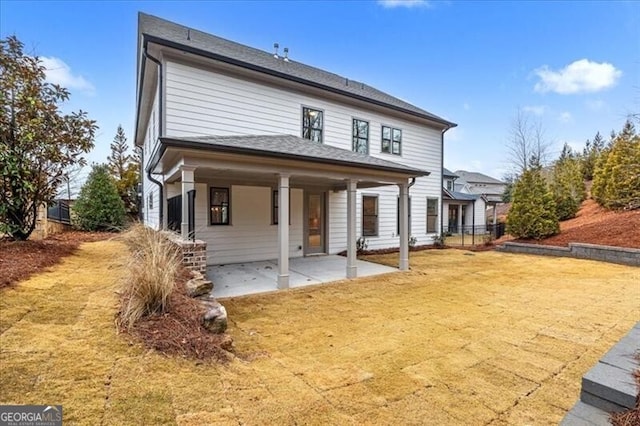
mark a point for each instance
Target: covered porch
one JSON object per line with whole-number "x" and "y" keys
{"x": 292, "y": 168}
{"x": 259, "y": 277}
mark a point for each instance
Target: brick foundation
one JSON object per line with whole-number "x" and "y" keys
{"x": 194, "y": 253}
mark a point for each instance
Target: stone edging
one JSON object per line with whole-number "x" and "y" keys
{"x": 621, "y": 255}
{"x": 609, "y": 386}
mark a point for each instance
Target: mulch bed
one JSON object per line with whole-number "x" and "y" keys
{"x": 21, "y": 259}
{"x": 179, "y": 331}
{"x": 392, "y": 250}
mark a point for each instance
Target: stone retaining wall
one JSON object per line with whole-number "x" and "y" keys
{"x": 621, "y": 255}
{"x": 194, "y": 253}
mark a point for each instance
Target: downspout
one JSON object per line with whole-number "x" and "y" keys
{"x": 442, "y": 176}
{"x": 160, "y": 128}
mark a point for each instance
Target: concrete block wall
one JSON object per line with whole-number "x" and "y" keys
{"x": 621, "y": 255}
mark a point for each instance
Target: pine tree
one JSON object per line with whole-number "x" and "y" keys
{"x": 623, "y": 180}
{"x": 590, "y": 155}
{"x": 567, "y": 184}
{"x": 533, "y": 211}
{"x": 99, "y": 206}
{"x": 125, "y": 169}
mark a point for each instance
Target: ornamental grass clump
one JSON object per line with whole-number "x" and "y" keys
{"x": 153, "y": 270}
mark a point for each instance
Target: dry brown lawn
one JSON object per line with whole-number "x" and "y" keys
{"x": 464, "y": 338}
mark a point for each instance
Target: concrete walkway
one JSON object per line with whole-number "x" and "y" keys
{"x": 259, "y": 277}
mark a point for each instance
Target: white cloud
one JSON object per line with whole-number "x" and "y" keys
{"x": 565, "y": 117}
{"x": 583, "y": 76}
{"x": 535, "y": 109}
{"x": 454, "y": 135}
{"x": 58, "y": 72}
{"x": 466, "y": 106}
{"x": 389, "y": 4}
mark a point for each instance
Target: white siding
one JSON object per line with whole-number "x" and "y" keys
{"x": 250, "y": 236}
{"x": 150, "y": 216}
{"x": 201, "y": 102}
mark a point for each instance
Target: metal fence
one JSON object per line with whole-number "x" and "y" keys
{"x": 59, "y": 212}
{"x": 472, "y": 235}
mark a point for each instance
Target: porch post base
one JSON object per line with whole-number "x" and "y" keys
{"x": 352, "y": 271}
{"x": 404, "y": 264}
{"x": 283, "y": 282}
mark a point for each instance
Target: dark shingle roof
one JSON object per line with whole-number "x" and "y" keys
{"x": 165, "y": 32}
{"x": 290, "y": 147}
{"x": 447, "y": 172}
{"x": 474, "y": 177}
{"x": 455, "y": 195}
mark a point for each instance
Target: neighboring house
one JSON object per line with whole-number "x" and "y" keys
{"x": 490, "y": 188}
{"x": 262, "y": 157}
{"x": 463, "y": 211}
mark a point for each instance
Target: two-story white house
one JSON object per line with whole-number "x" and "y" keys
{"x": 463, "y": 210}
{"x": 263, "y": 157}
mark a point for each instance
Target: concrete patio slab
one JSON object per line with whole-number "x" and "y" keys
{"x": 258, "y": 277}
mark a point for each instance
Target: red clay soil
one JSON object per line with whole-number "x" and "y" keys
{"x": 21, "y": 259}
{"x": 596, "y": 225}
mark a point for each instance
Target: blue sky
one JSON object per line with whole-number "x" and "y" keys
{"x": 573, "y": 66}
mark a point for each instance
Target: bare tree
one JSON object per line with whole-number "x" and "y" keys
{"x": 527, "y": 144}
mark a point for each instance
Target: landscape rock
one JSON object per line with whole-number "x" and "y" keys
{"x": 198, "y": 286}
{"x": 215, "y": 316}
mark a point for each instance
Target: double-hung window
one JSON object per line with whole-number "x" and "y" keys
{"x": 432, "y": 215}
{"x": 312, "y": 122}
{"x": 360, "y": 136}
{"x": 369, "y": 216}
{"x": 391, "y": 140}
{"x": 219, "y": 206}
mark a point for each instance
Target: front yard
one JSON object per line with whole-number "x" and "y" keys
{"x": 464, "y": 338}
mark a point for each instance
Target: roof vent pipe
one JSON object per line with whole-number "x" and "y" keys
{"x": 276, "y": 46}
{"x": 188, "y": 33}
{"x": 286, "y": 54}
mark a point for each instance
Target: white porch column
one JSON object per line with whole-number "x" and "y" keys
{"x": 187, "y": 185}
{"x": 404, "y": 226}
{"x": 460, "y": 219}
{"x": 352, "y": 268}
{"x": 495, "y": 214}
{"x": 283, "y": 231}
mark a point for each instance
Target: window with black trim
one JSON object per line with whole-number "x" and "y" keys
{"x": 391, "y": 140}
{"x": 360, "y": 136}
{"x": 398, "y": 216}
{"x": 432, "y": 215}
{"x": 312, "y": 122}
{"x": 369, "y": 216}
{"x": 219, "y": 213}
{"x": 450, "y": 185}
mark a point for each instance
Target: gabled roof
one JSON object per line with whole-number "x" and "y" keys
{"x": 448, "y": 173}
{"x": 475, "y": 177}
{"x": 170, "y": 34}
{"x": 455, "y": 195}
{"x": 289, "y": 147}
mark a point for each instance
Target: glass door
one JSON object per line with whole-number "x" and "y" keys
{"x": 315, "y": 225}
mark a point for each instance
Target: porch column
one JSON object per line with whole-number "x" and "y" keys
{"x": 404, "y": 226}
{"x": 352, "y": 268}
{"x": 460, "y": 218}
{"x": 495, "y": 214}
{"x": 187, "y": 185}
{"x": 283, "y": 231}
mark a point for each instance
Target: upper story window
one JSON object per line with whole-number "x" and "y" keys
{"x": 391, "y": 140}
{"x": 312, "y": 122}
{"x": 450, "y": 185}
{"x": 360, "y": 136}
